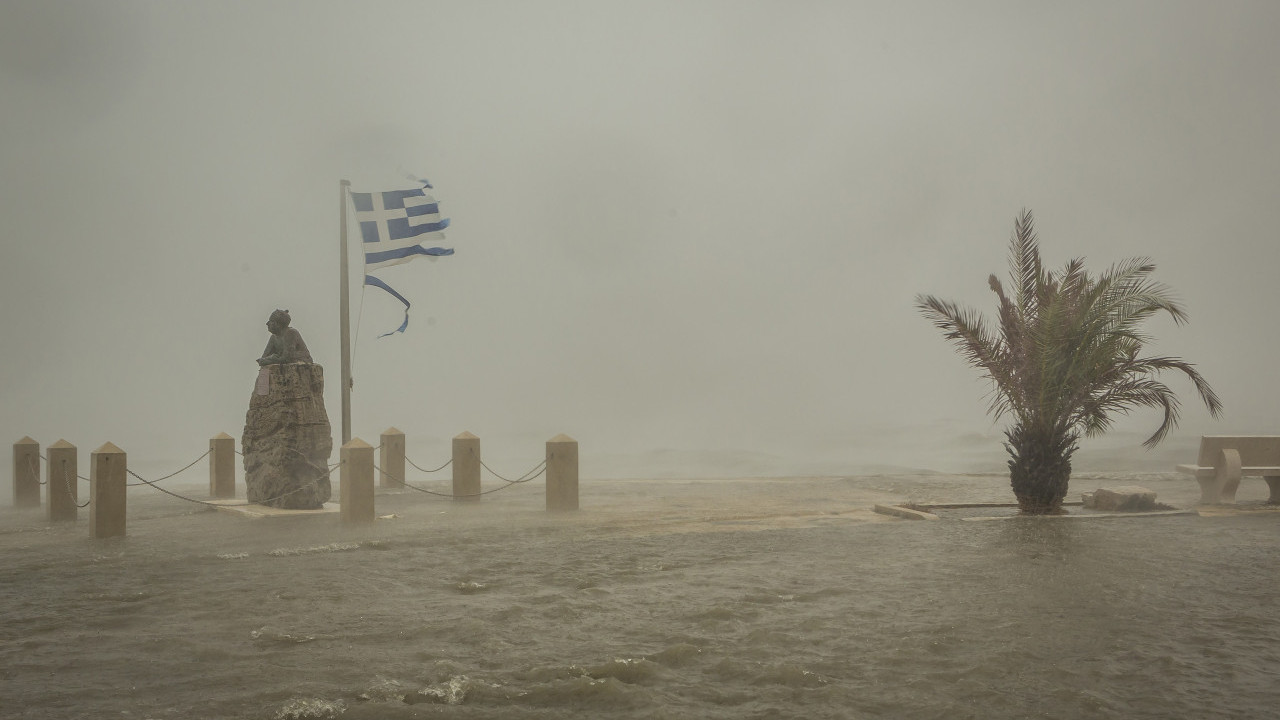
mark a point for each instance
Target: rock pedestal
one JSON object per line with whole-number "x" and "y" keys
{"x": 287, "y": 438}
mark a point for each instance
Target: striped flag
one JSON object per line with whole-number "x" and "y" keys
{"x": 394, "y": 225}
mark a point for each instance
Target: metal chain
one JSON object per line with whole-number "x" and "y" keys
{"x": 35, "y": 472}
{"x": 532, "y": 474}
{"x": 523, "y": 478}
{"x": 411, "y": 486}
{"x": 447, "y": 463}
{"x": 66, "y": 480}
{"x": 153, "y": 484}
{"x": 166, "y": 477}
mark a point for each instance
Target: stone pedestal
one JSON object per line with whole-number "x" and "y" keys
{"x": 287, "y": 439}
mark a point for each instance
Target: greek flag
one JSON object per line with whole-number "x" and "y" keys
{"x": 393, "y": 226}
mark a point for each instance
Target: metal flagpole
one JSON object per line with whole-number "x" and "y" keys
{"x": 344, "y": 332}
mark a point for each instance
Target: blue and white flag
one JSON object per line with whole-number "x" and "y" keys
{"x": 394, "y": 225}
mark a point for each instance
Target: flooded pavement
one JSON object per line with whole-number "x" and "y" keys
{"x": 660, "y": 598}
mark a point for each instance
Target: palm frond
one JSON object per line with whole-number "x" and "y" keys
{"x": 1024, "y": 263}
{"x": 967, "y": 331}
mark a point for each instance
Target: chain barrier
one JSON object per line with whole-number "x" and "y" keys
{"x": 445, "y": 465}
{"x": 152, "y": 483}
{"x": 324, "y": 473}
{"x": 523, "y": 478}
{"x": 166, "y": 477}
{"x": 531, "y": 475}
{"x": 32, "y": 466}
{"x": 66, "y": 480}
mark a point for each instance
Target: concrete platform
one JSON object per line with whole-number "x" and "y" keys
{"x": 240, "y": 506}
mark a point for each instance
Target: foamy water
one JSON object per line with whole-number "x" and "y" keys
{"x": 709, "y": 599}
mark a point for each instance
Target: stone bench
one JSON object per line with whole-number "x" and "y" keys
{"x": 1224, "y": 459}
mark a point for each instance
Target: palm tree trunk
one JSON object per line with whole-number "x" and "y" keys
{"x": 1039, "y": 467}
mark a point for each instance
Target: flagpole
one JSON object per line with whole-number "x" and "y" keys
{"x": 344, "y": 333}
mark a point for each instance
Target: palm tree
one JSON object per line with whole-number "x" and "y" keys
{"x": 1064, "y": 360}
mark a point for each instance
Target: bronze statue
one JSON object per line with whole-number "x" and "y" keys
{"x": 285, "y": 345}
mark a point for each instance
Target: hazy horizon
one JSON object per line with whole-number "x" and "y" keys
{"x": 679, "y": 228}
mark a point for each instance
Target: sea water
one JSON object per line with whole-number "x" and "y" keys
{"x": 744, "y": 598}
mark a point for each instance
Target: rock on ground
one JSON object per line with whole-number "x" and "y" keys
{"x": 1125, "y": 498}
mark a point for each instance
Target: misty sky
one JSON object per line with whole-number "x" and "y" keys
{"x": 679, "y": 225}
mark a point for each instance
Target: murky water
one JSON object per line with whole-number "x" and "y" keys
{"x": 716, "y": 599}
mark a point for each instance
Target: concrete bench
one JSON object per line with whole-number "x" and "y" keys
{"x": 1224, "y": 459}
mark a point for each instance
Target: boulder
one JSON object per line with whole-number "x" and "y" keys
{"x": 1125, "y": 498}
{"x": 287, "y": 438}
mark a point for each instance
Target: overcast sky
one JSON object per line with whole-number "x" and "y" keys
{"x": 680, "y": 226}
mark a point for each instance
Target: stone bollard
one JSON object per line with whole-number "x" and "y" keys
{"x": 356, "y": 479}
{"x": 222, "y": 466}
{"x": 107, "y": 489}
{"x": 61, "y": 477}
{"x": 26, "y": 473}
{"x": 391, "y": 459}
{"x": 466, "y": 467}
{"x": 562, "y": 473}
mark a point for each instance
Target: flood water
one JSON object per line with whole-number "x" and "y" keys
{"x": 658, "y": 599}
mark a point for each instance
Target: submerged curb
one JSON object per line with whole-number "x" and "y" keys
{"x": 1091, "y": 516}
{"x": 912, "y": 514}
{"x": 905, "y": 513}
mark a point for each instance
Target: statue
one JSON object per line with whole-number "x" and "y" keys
{"x": 287, "y": 438}
{"x": 285, "y": 345}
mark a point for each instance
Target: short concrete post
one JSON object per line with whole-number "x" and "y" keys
{"x": 107, "y": 490}
{"x": 222, "y": 466}
{"x": 356, "y": 478}
{"x": 61, "y": 477}
{"x": 562, "y": 473}
{"x": 466, "y": 467}
{"x": 26, "y": 473}
{"x": 391, "y": 459}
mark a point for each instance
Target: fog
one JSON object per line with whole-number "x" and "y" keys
{"x": 689, "y": 235}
